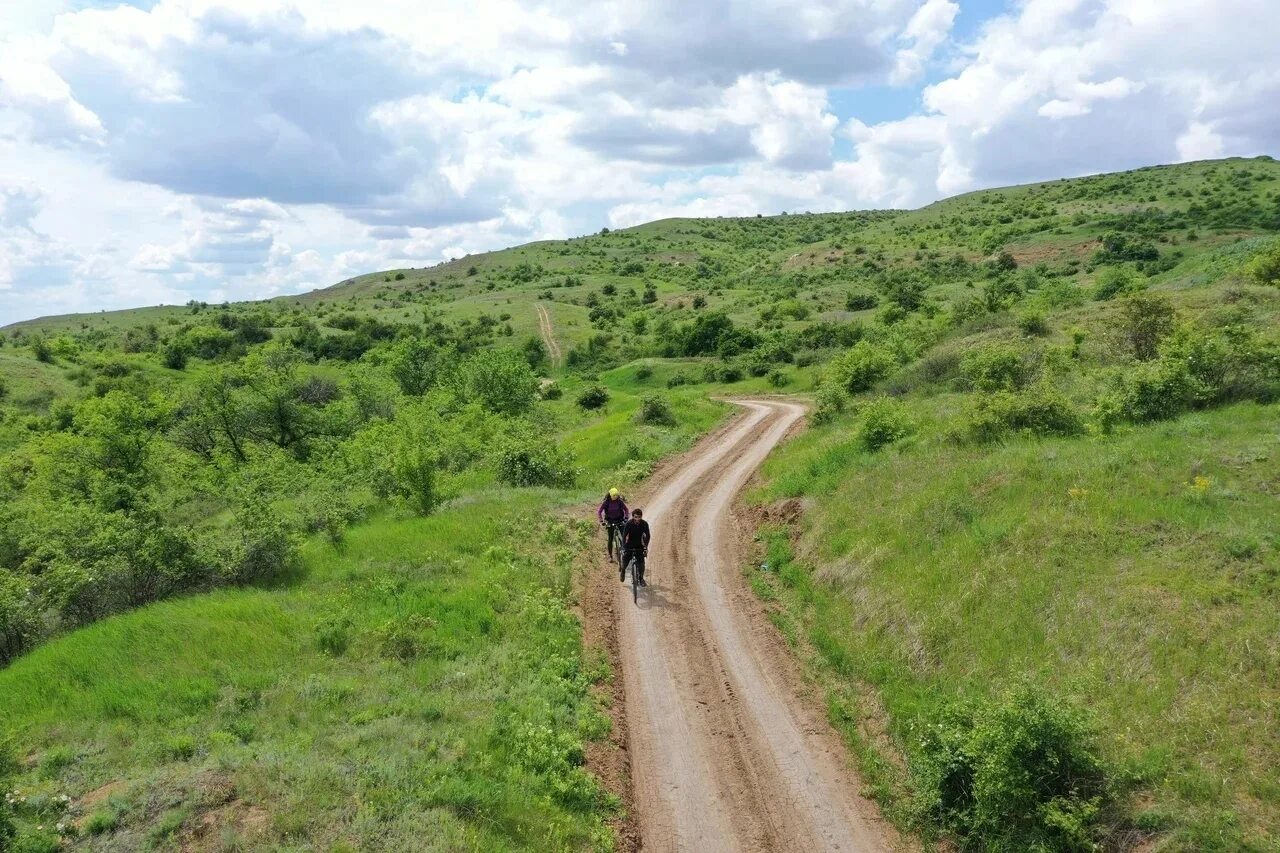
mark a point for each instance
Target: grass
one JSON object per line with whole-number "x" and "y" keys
{"x": 1136, "y": 576}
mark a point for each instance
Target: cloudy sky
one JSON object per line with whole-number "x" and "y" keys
{"x": 164, "y": 150}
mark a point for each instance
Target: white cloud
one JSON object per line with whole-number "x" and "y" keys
{"x": 256, "y": 147}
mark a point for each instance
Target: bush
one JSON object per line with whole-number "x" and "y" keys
{"x": 1265, "y": 266}
{"x": 8, "y": 764}
{"x": 1033, "y": 323}
{"x": 643, "y": 372}
{"x": 883, "y": 421}
{"x": 675, "y": 380}
{"x": 1037, "y": 412}
{"x": 415, "y": 471}
{"x": 551, "y": 391}
{"x": 1196, "y": 368}
{"x": 995, "y": 367}
{"x": 265, "y": 551}
{"x": 19, "y": 621}
{"x": 501, "y": 380}
{"x": 1145, "y": 320}
{"x": 532, "y": 459}
{"x": 779, "y": 378}
{"x": 175, "y": 356}
{"x": 593, "y": 398}
{"x": 861, "y": 366}
{"x": 860, "y": 300}
{"x": 654, "y": 410}
{"x": 1018, "y": 773}
{"x": 1116, "y": 280}
{"x": 829, "y": 403}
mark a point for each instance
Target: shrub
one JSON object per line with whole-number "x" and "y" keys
{"x": 861, "y": 300}
{"x": 675, "y": 380}
{"x": 8, "y": 764}
{"x": 41, "y": 350}
{"x": 882, "y": 422}
{"x": 593, "y": 398}
{"x": 828, "y": 403}
{"x": 333, "y": 635}
{"x": 643, "y": 372}
{"x": 403, "y": 638}
{"x": 779, "y": 378}
{"x": 995, "y": 367}
{"x": 1265, "y": 266}
{"x": 1145, "y": 320}
{"x": 730, "y": 373}
{"x": 500, "y": 380}
{"x": 175, "y": 356}
{"x": 551, "y": 391}
{"x": 415, "y": 476}
{"x": 19, "y": 621}
{"x": 264, "y": 551}
{"x": 1116, "y": 280}
{"x": 1033, "y": 323}
{"x": 654, "y": 410}
{"x": 1018, "y": 773}
{"x": 861, "y": 366}
{"x": 527, "y": 458}
{"x": 1040, "y": 411}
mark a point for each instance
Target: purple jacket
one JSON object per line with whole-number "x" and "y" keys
{"x": 613, "y": 509}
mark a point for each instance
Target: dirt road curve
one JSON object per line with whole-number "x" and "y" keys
{"x": 724, "y": 755}
{"x": 548, "y": 334}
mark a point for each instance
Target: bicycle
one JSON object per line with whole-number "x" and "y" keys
{"x": 635, "y": 581}
{"x": 613, "y": 530}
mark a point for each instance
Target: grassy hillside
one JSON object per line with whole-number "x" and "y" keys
{"x": 255, "y": 557}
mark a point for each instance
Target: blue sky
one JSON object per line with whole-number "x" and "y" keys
{"x": 232, "y": 149}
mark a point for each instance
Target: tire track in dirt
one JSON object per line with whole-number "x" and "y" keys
{"x": 724, "y": 755}
{"x": 548, "y": 334}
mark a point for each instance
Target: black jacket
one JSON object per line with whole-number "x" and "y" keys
{"x": 635, "y": 535}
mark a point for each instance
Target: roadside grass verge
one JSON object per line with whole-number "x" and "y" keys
{"x": 1134, "y": 576}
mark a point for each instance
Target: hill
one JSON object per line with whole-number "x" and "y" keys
{"x": 253, "y": 556}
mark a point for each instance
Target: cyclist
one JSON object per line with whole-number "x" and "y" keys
{"x": 613, "y": 513}
{"x": 635, "y": 543}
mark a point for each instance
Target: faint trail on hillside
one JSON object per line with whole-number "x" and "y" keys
{"x": 548, "y": 334}
{"x": 724, "y": 754}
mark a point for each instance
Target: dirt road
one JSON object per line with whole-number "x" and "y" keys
{"x": 724, "y": 754}
{"x": 548, "y": 334}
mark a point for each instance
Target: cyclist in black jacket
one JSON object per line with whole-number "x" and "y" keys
{"x": 635, "y": 543}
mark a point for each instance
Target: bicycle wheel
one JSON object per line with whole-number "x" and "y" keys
{"x": 622, "y": 564}
{"x": 635, "y": 585}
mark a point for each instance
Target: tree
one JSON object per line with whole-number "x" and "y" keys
{"x": 419, "y": 365}
{"x": 500, "y": 380}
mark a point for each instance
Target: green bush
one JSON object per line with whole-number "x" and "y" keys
{"x": 1038, "y": 411}
{"x": 643, "y": 372}
{"x": 1265, "y": 266}
{"x": 551, "y": 391}
{"x": 593, "y": 398}
{"x": 1114, "y": 281}
{"x": 778, "y": 378}
{"x": 994, "y": 367}
{"x": 1018, "y": 773}
{"x": 528, "y": 458}
{"x": 828, "y": 403}
{"x": 655, "y": 410}
{"x": 860, "y": 300}
{"x": 675, "y": 380}
{"x": 264, "y": 551}
{"x": 19, "y": 620}
{"x": 1145, "y": 320}
{"x": 500, "y": 380}
{"x": 1032, "y": 322}
{"x": 1196, "y": 368}
{"x": 882, "y": 422}
{"x": 862, "y": 366}
{"x": 8, "y": 765}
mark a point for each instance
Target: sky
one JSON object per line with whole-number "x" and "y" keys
{"x": 168, "y": 150}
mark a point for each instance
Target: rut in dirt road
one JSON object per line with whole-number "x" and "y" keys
{"x": 548, "y": 334}
{"x": 724, "y": 754}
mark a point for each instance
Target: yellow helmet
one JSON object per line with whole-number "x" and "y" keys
{"x": 613, "y": 493}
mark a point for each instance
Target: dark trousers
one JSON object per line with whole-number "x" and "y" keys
{"x": 636, "y": 554}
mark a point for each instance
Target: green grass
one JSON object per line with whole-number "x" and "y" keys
{"x": 1135, "y": 575}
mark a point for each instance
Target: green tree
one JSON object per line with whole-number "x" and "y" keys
{"x": 501, "y": 380}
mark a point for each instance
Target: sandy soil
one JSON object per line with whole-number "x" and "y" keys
{"x": 724, "y": 751}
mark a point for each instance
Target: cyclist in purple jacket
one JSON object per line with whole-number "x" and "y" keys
{"x": 613, "y": 513}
